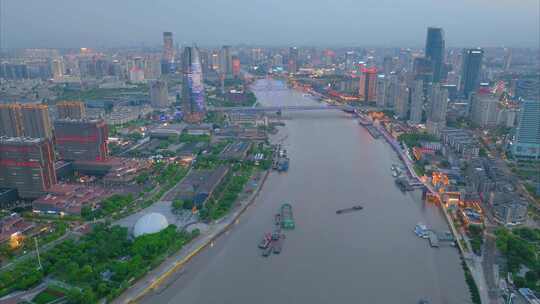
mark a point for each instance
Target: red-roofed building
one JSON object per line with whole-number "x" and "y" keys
{"x": 13, "y": 225}
{"x": 69, "y": 199}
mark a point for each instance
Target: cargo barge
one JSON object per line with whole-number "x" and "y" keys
{"x": 287, "y": 220}
{"x": 346, "y": 210}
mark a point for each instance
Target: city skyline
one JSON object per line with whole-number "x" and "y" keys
{"x": 271, "y": 23}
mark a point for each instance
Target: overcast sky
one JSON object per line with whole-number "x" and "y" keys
{"x": 96, "y": 23}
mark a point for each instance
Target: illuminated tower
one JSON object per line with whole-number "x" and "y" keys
{"x": 193, "y": 100}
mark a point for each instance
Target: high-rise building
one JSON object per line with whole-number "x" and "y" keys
{"x": 368, "y": 84}
{"x": 235, "y": 66}
{"x": 470, "y": 70}
{"x": 416, "y": 93}
{"x": 168, "y": 47}
{"x": 81, "y": 139}
{"x": 435, "y": 51}
{"x": 27, "y": 164}
{"x": 159, "y": 95}
{"x": 292, "y": 66}
{"x": 71, "y": 109}
{"x": 349, "y": 61}
{"x": 402, "y": 101}
{"x": 11, "y": 120}
{"x": 484, "y": 109}
{"x": 152, "y": 67}
{"x": 58, "y": 69}
{"x": 527, "y": 142}
{"x": 438, "y": 104}
{"x": 215, "y": 61}
{"x": 36, "y": 122}
{"x": 226, "y": 64}
{"x": 388, "y": 65}
{"x": 382, "y": 86}
{"x": 193, "y": 100}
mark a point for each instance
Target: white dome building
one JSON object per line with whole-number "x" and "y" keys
{"x": 150, "y": 223}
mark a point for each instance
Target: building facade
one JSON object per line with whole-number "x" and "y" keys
{"x": 470, "y": 71}
{"x": 527, "y": 142}
{"x": 27, "y": 164}
{"x": 71, "y": 109}
{"x": 435, "y": 52}
{"x": 193, "y": 99}
{"x": 81, "y": 139}
{"x": 159, "y": 95}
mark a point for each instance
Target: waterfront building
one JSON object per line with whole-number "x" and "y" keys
{"x": 81, "y": 139}
{"x": 527, "y": 141}
{"x": 27, "y": 164}
{"x": 435, "y": 52}
{"x": 71, "y": 109}
{"x": 368, "y": 85}
{"x": 159, "y": 95}
{"x": 402, "y": 101}
{"x": 382, "y": 86}
{"x": 417, "y": 101}
{"x": 470, "y": 70}
{"x": 193, "y": 100}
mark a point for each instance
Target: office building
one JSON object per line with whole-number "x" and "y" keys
{"x": 226, "y": 62}
{"x": 416, "y": 93}
{"x": 81, "y": 139}
{"x": 402, "y": 101}
{"x": 193, "y": 100}
{"x": 71, "y": 109}
{"x": 470, "y": 71}
{"x": 368, "y": 85}
{"x": 484, "y": 110}
{"x": 292, "y": 66}
{"x": 382, "y": 86}
{"x": 36, "y": 122}
{"x": 159, "y": 95}
{"x": 11, "y": 120}
{"x": 435, "y": 52}
{"x": 58, "y": 69}
{"x": 527, "y": 141}
{"x": 27, "y": 164}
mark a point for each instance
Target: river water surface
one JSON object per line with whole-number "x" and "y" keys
{"x": 370, "y": 256}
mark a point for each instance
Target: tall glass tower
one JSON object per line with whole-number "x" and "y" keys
{"x": 193, "y": 100}
{"x": 470, "y": 70}
{"x": 435, "y": 51}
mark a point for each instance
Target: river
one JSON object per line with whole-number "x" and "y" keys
{"x": 370, "y": 256}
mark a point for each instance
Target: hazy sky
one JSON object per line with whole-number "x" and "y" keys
{"x": 95, "y": 23}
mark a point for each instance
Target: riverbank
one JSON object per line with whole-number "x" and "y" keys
{"x": 157, "y": 277}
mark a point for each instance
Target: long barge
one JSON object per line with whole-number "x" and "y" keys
{"x": 351, "y": 209}
{"x": 287, "y": 220}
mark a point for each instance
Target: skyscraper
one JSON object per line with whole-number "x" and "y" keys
{"x": 402, "y": 101}
{"x": 27, "y": 164}
{"x": 159, "y": 95}
{"x": 235, "y": 66}
{"x": 58, "y": 69}
{"x": 81, "y": 139}
{"x": 71, "y": 109}
{"x": 527, "y": 143}
{"x": 226, "y": 64}
{"x": 470, "y": 70}
{"x": 438, "y": 104}
{"x": 435, "y": 51}
{"x": 167, "y": 65}
{"x": 382, "y": 86}
{"x": 193, "y": 100}
{"x": 368, "y": 84}
{"x": 292, "y": 66}
{"x": 417, "y": 101}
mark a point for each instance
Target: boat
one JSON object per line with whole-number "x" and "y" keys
{"x": 266, "y": 252}
{"x": 265, "y": 242}
{"x": 277, "y": 219}
{"x": 283, "y": 164}
{"x": 277, "y": 245}
{"x": 287, "y": 220}
{"x": 353, "y": 208}
{"x": 421, "y": 230}
{"x": 423, "y": 301}
{"x": 276, "y": 235}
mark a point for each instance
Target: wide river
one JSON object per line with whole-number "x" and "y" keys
{"x": 371, "y": 256}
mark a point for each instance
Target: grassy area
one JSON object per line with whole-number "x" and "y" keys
{"x": 93, "y": 94}
{"x": 51, "y": 294}
{"x": 226, "y": 194}
{"x": 102, "y": 263}
{"x": 473, "y": 289}
{"x": 521, "y": 247}
{"x": 415, "y": 139}
{"x": 476, "y": 236}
